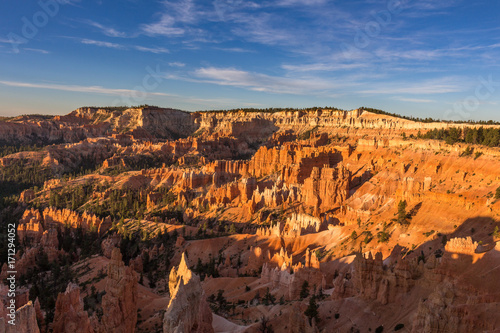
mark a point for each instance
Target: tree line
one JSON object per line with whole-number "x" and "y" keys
{"x": 480, "y": 136}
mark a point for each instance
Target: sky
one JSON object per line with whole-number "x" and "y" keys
{"x": 422, "y": 58}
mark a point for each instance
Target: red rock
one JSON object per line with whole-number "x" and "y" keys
{"x": 70, "y": 317}
{"x": 119, "y": 304}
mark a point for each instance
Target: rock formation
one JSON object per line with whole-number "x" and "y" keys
{"x": 461, "y": 245}
{"x": 373, "y": 281}
{"x": 24, "y": 320}
{"x": 70, "y": 317}
{"x": 188, "y": 310}
{"x": 119, "y": 304}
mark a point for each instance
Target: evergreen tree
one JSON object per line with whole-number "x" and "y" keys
{"x": 312, "y": 310}
{"x": 402, "y": 215}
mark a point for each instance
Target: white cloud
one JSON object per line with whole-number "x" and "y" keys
{"x": 300, "y": 2}
{"x": 102, "y": 44}
{"x": 322, "y": 67}
{"x": 108, "y": 31}
{"x": 414, "y": 100}
{"x": 82, "y": 89}
{"x": 263, "y": 82}
{"x": 176, "y": 64}
{"x": 156, "y": 50}
{"x": 234, "y": 49}
{"x": 37, "y": 50}
{"x": 434, "y": 86}
{"x": 182, "y": 11}
{"x": 164, "y": 27}
{"x": 261, "y": 29}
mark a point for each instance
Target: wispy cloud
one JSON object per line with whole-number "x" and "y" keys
{"x": 433, "y": 54}
{"x": 37, "y": 50}
{"x": 234, "y": 49}
{"x": 81, "y": 89}
{"x": 164, "y": 27}
{"x": 102, "y": 44}
{"x": 156, "y": 50}
{"x": 262, "y": 82}
{"x": 183, "y": 10}
{"x": 204, "y": 103}
{"x": 434, "y": 86}
{"x": 174, "y": 12}
{"x": 326, "y": 67}
{"x": 414, "y": 100}
{"x": 300, "y": 2}
{"x": 108, "y": 31}
{"x": 176, "y": 64}
{"x": 262, "y": 29}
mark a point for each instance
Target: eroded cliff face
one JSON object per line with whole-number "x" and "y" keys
{"x": 188, "y": 310}
{"x": 147, "y": 122}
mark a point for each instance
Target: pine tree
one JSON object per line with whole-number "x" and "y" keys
{"x": 402, "y": 213}
{"x": 312, "y": 310}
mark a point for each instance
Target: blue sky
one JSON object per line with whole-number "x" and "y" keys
{"x": 424, "y": 58}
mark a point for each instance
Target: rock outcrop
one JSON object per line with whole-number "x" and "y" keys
{"x": 70, "y": 317}
{"x": 373, "y": 281}
{"x": 24, "y": 320}
{"x": 461, "y": 246}
{"x": 435, "y": 314}
{"x": 299, "y": 323}
{"x": 119, "y": 304}
{"x": 188, "y": 310}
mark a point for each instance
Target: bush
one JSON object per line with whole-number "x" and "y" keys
{"x": 399, "y": 327}
{"x": 368, "y": 237}
{"x": 383, "y": 236}
{"x": 495, "y": 233}
{"x": 467, "y": 152}
{"x": 497, "y": 193}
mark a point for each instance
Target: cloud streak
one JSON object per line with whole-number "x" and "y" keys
{"x": 156, "y": 50}
{"x": 108, "y": 31}
{"x": 427, "y": 87}
{"x": 266, "y": 83}
{"x": 81, "y": 89}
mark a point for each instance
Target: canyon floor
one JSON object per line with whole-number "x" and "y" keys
{"x": 320, "y": 220}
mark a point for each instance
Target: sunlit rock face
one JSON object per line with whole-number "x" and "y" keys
{"x": 187, "y": 311}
